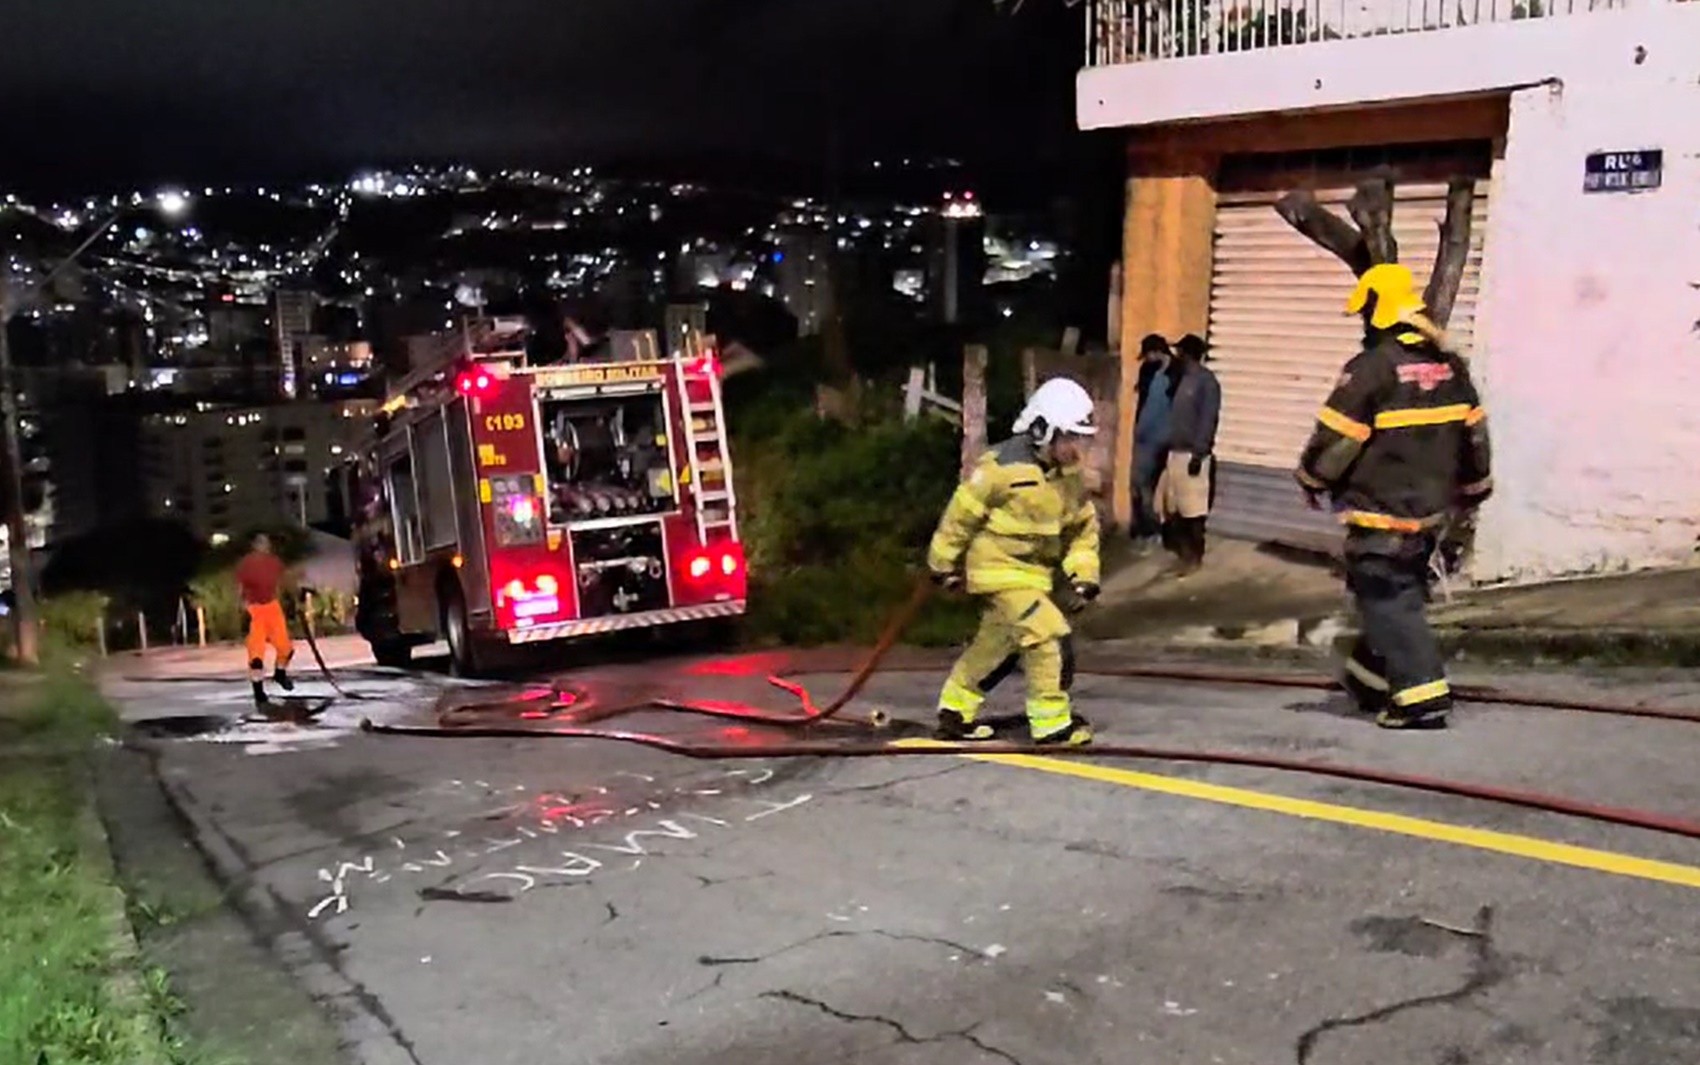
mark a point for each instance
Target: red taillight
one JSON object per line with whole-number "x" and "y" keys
{"x": 725, "y": 561}
{"x": 529, "y": 600}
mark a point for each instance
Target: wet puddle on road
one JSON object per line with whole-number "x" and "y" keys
{"x": 286, "y": 720}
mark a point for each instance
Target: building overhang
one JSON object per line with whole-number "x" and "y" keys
{"x": 1464, "y": 61}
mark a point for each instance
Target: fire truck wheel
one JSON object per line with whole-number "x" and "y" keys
{"x": 396, "y": 654}
{"x": 465, "y": 658}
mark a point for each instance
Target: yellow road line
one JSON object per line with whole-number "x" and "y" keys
{"x": 1480, "y": 838}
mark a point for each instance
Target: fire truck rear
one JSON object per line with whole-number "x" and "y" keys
{"x": 505, "y": 504}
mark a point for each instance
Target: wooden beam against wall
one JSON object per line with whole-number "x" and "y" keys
{"x": 1482, "y": 117}
{"x": 1168, "y": 236}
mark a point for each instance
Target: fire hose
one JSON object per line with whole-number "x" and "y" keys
{"x": 814, "y": 715}
{"x": 306, "y": 611}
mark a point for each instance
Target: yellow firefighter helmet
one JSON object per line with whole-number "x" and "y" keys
{"x": 1395, "y": 293}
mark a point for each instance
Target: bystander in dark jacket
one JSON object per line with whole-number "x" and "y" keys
{"x": 1183, "y": 494}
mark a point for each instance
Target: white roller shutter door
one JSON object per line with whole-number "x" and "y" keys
{"x": 1278, "y": 340}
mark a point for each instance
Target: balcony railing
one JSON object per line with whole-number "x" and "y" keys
{"x": 1133, "y": 31}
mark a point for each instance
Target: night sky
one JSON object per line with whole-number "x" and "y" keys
{"x": 103, "y": 93}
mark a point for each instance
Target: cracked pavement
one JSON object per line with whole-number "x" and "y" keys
{"x": 508, "y": 901}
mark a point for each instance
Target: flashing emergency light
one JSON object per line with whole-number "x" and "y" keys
{"x": 523, "y": 510}
{"x": 475, "y": 383}
{"x": 704, "y": 365}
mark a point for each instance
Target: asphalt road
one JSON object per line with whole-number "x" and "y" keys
{"x": 541, "y": 900}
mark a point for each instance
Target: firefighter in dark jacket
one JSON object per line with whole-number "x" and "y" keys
{"x": 1400, "y": 446}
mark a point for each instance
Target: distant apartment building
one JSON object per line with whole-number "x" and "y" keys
{"x": 684, "y": 320}
{"x": 956, "y": 261}
{"x": 701, "y": 265}
{"x": 226, "y": 470}
{"x": 88, "y": 459}
{"x": 803, "y": 278}
{"x": 233, "y": 326}
{"x": 292, "y": 330}
{"x": 333, "y": 370}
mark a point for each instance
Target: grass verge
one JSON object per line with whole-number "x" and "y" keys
{"x": 71, "y": 987}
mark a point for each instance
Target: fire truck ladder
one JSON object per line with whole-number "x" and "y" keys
{"x": 710, "y": 462}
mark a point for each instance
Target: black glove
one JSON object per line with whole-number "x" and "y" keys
{"x": 1086, "y": 591}
{"x": 950, "y": 582}
{"x": 1195, "y": 466}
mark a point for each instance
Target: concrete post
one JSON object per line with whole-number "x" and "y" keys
{"x": 974, "y": 359}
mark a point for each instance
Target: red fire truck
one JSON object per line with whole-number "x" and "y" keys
{"x": 505, "y": 504}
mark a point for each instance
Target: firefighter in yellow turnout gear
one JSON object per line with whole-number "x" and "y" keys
{"x": 1023, "y": 515}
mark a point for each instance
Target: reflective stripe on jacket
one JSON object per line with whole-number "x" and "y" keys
{"x": 1013, "y": 524}
{"x": 1401, "y": 439}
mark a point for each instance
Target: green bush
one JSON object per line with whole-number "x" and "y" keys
{"x": 74, "y": 619}
{"x": 216, "y": 594}
{"x": 333, "y": 612}
{"x": 227, "y": 617}
{"x": 836, "y": 522}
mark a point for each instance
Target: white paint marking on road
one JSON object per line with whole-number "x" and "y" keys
{"x": 577, "y": 865}
{"x": 778, "y": 807}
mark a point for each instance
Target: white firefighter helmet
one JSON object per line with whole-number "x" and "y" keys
{"x": 1062, "y": 405}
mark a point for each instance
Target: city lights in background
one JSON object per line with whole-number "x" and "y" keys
{"x": 172, "y": 202}
{"x": 201, "y": 287}
{"x": 964, "y": 206}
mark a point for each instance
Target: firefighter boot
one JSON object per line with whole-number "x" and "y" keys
{"x": 1424, "y": 716}
{"x": 281, "y": 675}
{"x": 1077, "y": 732}
{"x": 260, "y": 699}
{"x": 984, "y": 664}
{"x": 954, "y": 728}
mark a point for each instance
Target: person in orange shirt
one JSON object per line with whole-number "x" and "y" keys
{"x": 258, "y": 576}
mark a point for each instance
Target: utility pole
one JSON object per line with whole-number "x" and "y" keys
{"x": 25, "y": 616}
